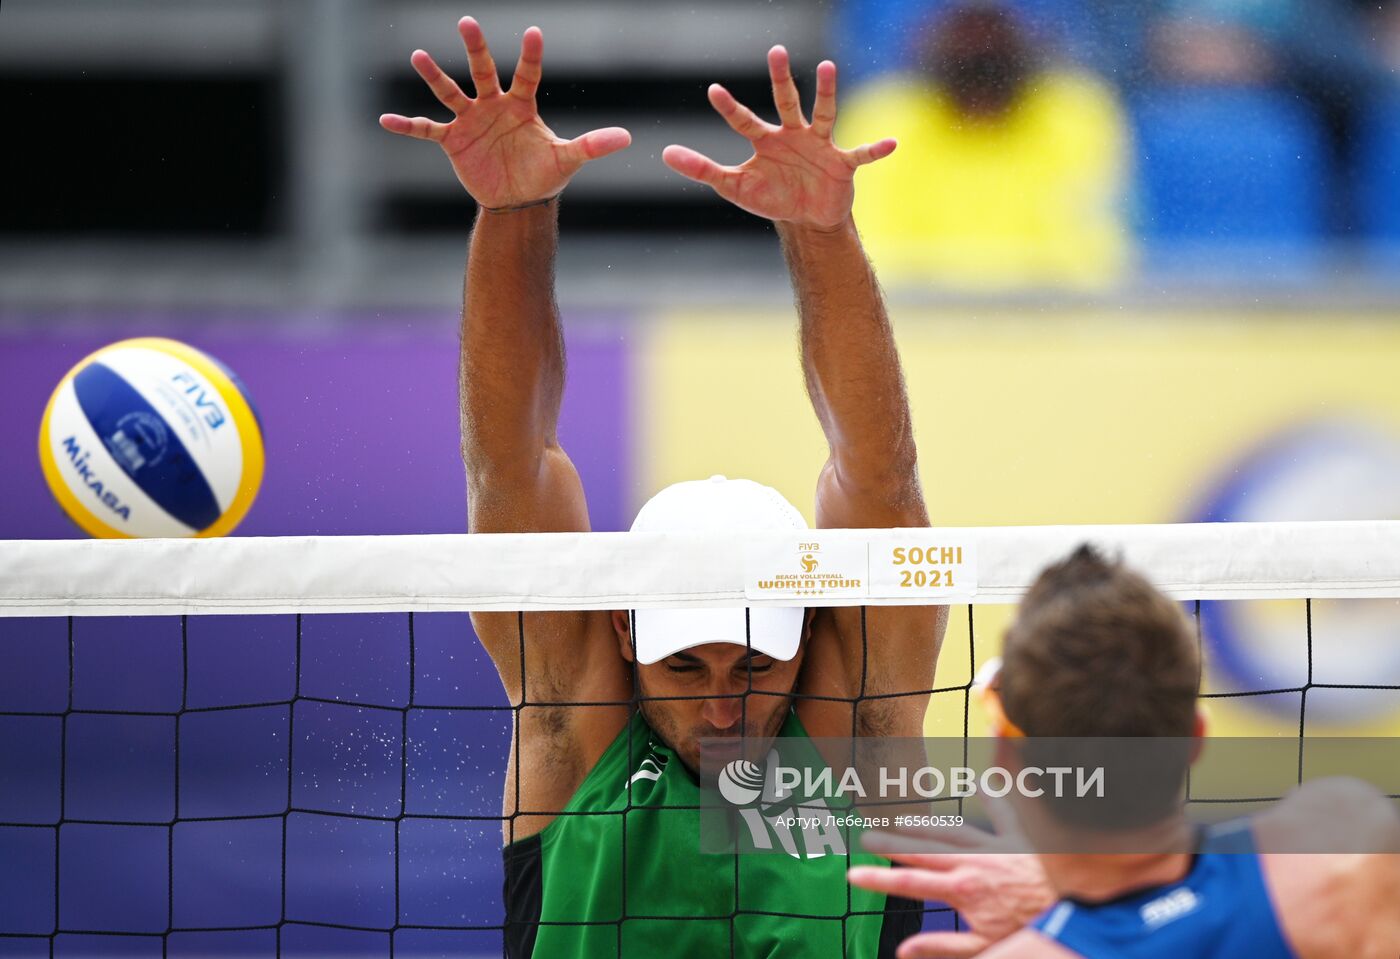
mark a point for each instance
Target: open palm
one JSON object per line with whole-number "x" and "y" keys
{"x": 500, "y": 149}
{"x": 797, "y": 174}
{"x": 993, "y": 884}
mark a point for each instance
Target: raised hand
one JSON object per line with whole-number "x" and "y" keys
{"x": 994, "y": 886}
{"x": 797, "y": 174}
{"x": 499, "y": 147}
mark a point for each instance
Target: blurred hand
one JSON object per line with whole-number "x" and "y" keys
{"x": 996, "y": 892}
{"x": 499, "y": 147}
{"x": 796, "y": 174}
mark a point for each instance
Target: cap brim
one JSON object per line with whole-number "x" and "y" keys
{"x": 772, "y": 630}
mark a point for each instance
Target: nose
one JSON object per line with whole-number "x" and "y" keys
{"x": 725, "y": 711}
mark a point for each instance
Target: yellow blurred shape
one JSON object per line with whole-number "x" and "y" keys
{"x": 1032, "y": 198}
{"x": 1056, "y": 417}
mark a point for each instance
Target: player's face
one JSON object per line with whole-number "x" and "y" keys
{"x": 719, "y": 702}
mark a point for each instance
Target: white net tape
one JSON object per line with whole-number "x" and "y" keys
{"x": 553, "y": 571}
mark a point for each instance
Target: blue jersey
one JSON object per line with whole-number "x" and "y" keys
{"x": 1219, "y": 910}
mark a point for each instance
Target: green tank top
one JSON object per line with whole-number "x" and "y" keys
{"x": 565, "y": 886}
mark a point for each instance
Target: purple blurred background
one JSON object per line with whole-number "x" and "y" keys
{"x": 361, "y": 425}
{"x": 362, "y": 436}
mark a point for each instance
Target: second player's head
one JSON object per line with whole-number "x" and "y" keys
{"x": 1095, "y": 660}
{"x": 1095, "y": 650}
{"x": 714, "y": 673}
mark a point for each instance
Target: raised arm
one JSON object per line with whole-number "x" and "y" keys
{"x": 802, "y": 181}
{"x": 512, "y": 373}
{"x": 855, "y": 383}
{"x": 511, "y": 381}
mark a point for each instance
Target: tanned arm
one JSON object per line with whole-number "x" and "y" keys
{"x": 804, "y": 183}
{"x": 854, "y": 381}
{"x": 512, "y": 380}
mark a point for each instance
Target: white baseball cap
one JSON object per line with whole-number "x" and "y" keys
{"x": 717, "y": 504}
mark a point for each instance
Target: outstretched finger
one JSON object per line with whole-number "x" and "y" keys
{"x": 530, "y": 67}
{"x": 936, "y": 861}
{"x": 420, "y": 128}
{"x": 824, "y": 108}
{"x": 479, "y": 58}
{"x": 908, "y": 883}
{"x": 921, "y": 839}
{"x": 941, "y": 945}
{"x": 784, "y": 88}
{"x": 696, "y": 166}
{"x": 595, "y": 144}
{"x": 870, "y": 152}
{"x": 740, "y": 118}
{"x": 444, "y": 87}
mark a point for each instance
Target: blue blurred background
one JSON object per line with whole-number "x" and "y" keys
{"x": 208, "y": 154}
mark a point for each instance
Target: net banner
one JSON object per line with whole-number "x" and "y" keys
{"x": 552, "y": 571}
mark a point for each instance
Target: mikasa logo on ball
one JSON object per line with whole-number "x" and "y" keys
{"x": 79, "y": 459}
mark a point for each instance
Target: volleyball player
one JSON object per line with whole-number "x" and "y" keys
{"x": 575, "y": 867}
{"x": 1095, "y": 651}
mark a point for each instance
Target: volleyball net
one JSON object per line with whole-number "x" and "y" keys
{"x": 297, "y": 746}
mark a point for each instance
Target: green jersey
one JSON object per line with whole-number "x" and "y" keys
{"x": 621, "y": 874}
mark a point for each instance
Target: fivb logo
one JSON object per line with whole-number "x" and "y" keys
{"x": 1175, "y": 904}
{"x": 774, "y": 818}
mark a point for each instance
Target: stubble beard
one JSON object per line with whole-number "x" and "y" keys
{"x": 686, "y": 744}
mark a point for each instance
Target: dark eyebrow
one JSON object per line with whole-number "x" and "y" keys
{"x": 686, "y": 657}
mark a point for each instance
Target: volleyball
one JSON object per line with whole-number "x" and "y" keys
{"x": 151, "y": 437}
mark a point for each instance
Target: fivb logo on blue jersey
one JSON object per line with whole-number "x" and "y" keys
{"x": 1181, "y": 901}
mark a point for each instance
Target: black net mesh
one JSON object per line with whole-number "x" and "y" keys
{"x": 293, "y": 785}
